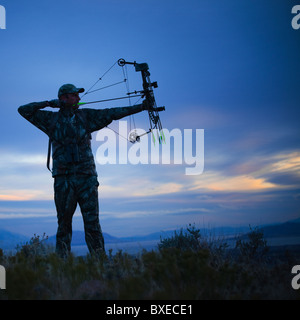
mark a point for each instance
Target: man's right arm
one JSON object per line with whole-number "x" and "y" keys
{"x": 32, "y": 112}
{"x": 30, "y": 109}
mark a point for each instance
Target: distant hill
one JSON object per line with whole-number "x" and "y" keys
{"x": 288, "y": 229}
{"x": 78, "y": 238}
{"x": 295, "y": 220}
{"x": 282, "y": 230}
{"x": 9, "y": 240}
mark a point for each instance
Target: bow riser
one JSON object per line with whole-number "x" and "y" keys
{"x": 148, "y": 93}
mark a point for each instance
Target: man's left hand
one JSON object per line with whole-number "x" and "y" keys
{"x": 146, "y": 105}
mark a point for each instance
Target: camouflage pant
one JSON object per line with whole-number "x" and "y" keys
{"x": 70, "y": 191}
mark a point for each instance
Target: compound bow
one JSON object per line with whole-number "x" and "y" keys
{"x": 147, "y": 93}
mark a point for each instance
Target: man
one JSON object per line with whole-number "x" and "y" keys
{"x": 74, "y": 170}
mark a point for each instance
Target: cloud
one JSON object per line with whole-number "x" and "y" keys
{"x": 25, "y": 215}
{"x": 214, "y": 181}
{"x": 166, "y": 188}
{"x": 16, "y": 160}
{"x": 21, "y": 195}
{"x": 154, "y": 212}
{"x": 25, "y": 210}
{"x": 22, "y": 177}
{"x": 158, "y": 189}
{"x": 284, "y": 170}
{"x": 137, "y": 188}
{"x": 261, "y": 173}
{"x": 287, "y": 163}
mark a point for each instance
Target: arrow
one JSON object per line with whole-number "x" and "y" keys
{"x": 99, "y": 101}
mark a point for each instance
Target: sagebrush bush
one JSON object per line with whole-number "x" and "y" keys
{"x": 188, "y": 239}
{"x": 254, "y": 248}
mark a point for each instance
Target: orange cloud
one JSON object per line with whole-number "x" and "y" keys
{"x": 289, "y": 162}
{"x": 24, "y": 195}
{"x": 241, "y": 183}
{"x": 10, "y": 197}
{"x": 216, "y": 182}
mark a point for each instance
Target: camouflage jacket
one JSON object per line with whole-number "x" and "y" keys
{"x": 70, "y": 133}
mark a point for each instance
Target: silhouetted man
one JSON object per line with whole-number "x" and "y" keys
{"x": 74, "y": 170}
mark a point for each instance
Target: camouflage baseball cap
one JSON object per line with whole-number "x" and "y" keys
{"x": 68, "y": 88}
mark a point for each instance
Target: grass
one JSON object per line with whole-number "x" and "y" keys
{"x": 184, "y": 266}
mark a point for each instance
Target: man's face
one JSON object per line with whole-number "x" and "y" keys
{"x": 71, "y": 100}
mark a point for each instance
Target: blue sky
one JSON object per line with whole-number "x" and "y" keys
{"x": 229, "y": 67}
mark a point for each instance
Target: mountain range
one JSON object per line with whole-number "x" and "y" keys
{"x": 9, "y": 240}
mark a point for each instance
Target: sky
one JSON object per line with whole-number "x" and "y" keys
{"x": 228, "y": 75}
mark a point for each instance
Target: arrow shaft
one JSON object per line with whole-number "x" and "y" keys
{"x": 112, "y": 99}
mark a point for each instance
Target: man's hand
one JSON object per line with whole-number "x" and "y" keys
{"x": 56, "y": 103}
{"x": 146, "y": 105}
